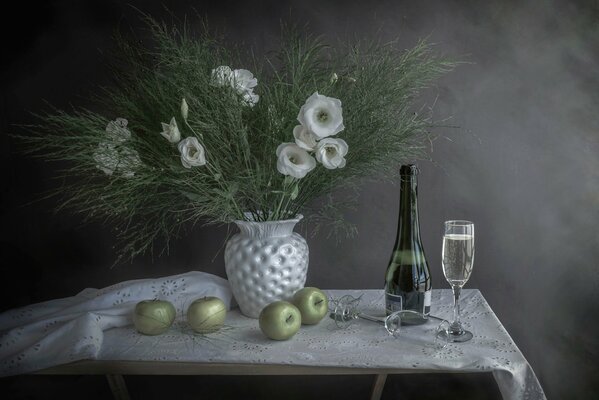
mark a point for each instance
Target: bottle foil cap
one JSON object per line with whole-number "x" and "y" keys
{"x": 408, "y": 170}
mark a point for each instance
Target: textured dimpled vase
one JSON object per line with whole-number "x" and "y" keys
{"x": 265, "y": 262}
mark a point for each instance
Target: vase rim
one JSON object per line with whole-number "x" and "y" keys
{"x": 296, "y": 219}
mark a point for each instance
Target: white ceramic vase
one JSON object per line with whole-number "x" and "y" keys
{"x": 265, "y": 262}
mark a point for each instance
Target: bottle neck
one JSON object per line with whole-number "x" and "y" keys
{"x": 408, "y": 230}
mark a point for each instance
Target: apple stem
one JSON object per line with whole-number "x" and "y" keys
{"x": 318, "y": 302}
{"x": 289, "y": 318}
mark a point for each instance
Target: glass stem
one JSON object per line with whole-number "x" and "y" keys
{"x": 456, "y": 325}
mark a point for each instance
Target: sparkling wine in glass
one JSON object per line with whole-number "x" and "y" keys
{"x": 457, "y": 259}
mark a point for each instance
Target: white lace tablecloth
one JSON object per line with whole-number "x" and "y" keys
{"x": 363, "y": 344}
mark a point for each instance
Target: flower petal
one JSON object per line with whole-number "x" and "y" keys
{"x": 192, "y": 152}
{"x": 294, "y": 161}
{"x": 322, "y": 115}
{"x": 304, "y": 138}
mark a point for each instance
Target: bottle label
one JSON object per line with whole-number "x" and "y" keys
{"x": 427, "y": 298}
{"x": 393, "y": 303}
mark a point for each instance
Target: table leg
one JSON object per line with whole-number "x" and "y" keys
{"x": 377, "y": 386}
{"x": 118, "y": 387}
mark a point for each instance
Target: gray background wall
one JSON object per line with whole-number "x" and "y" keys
{"x": 523, "y": 165}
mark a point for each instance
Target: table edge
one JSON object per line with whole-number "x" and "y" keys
{"x": 102, "y": 367}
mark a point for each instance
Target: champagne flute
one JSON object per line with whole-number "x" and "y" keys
{"x": 457, "y": 259}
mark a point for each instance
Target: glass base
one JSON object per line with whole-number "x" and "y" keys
{"x": 451, "y": 337}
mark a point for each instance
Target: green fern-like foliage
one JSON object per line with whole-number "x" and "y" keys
{"x": 154, "y": 195}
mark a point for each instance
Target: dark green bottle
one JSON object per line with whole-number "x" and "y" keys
{"x": 408, "y": 279}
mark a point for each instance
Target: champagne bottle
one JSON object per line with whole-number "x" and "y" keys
{"x": 408, "y": 280}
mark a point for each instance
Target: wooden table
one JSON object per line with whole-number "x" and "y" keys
{"x": 115, "y": 371}
{"x": 362, "y": 349}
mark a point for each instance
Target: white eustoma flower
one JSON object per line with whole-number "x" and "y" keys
{"x": 244, "y": 83}
{"x": 330, "y": 152}
{"x": 244, "y": 80}
{"x": 294, "y": 161}
{"x": 171, "y": 131}
{"x": 322, "y": 115}
{"x": 304, "y": 138}
{"x": 184, "y": 109}
{"x": 192, "y": 152}
{"x": 117, "y": 130}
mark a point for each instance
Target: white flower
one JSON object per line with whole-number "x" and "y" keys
{"x": 184, "y": 109}
{"x": 112, "y": 154}
{"x": 304, "y": 138}
{"x": 117, "y": 130}
{"x": 241, "y": 80}
{"x": 294, "y": 161}
{"x": 221, "y": 76}
{"x": 109, "y": 159}
{"x": 244, "y": 83}
{"x": 334, "y": 77}
{"x": 192, "y": 152}
{"x": 106, "y": 157}
{"x": 330, "y": 152}
{"x": 171, "y": 131}
{"x": 128, "y": 162}
{"x": 244, "y": 80}
{"x": 250, "y": 98}
{"x": 322, "y": 115}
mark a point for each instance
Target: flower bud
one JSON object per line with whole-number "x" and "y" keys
{"x": 184, "y": 109}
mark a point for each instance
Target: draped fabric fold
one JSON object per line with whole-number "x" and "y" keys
{"x": 64, "y": 330}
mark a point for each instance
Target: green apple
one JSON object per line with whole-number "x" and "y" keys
{"x": 312, "y": 303}
{"x": 280, "y": 320}
{"x": 207, "y": 314}
{"x": 153, "y": 317}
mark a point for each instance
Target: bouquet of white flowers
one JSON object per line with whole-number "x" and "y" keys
{"x": 238, "y": 145}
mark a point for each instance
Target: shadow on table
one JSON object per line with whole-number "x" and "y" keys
{"x": 417, "y": 387}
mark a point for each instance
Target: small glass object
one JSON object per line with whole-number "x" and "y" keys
{"x": 344, "y": 311}
{"x": 457, "y": 259}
